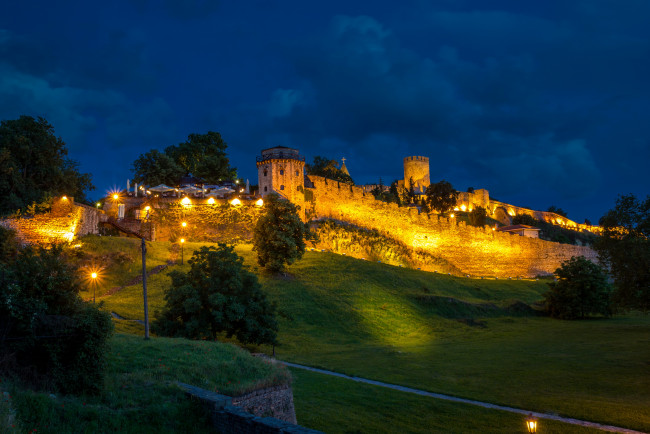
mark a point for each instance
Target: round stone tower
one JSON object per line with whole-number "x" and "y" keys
{"x": 281, "y": 170}
{"x": 417, "y": 168}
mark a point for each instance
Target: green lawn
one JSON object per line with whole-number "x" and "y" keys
{"x": 337, "y": 405}
{"x": 140, "y": 394}
{"x": 458, "y": 336}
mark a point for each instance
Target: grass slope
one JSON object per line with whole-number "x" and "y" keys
{"x": 464, "y": 337}
{"x": 140, "y": 394}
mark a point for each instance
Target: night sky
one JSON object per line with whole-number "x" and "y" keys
{"x": 542, "y": 103}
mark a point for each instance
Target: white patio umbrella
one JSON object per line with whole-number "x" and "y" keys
{"x": 162, "y": 188}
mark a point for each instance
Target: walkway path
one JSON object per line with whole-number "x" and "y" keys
{"x": 468, "y": 401}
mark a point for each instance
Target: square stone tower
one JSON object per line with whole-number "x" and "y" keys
{"x": 281, "y": 170}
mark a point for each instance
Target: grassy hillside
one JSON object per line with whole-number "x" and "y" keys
{"x": 140, "y": 394}
{"x": 466, "y": 337}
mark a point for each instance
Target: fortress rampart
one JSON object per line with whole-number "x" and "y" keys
{"x": 474, "y": 251}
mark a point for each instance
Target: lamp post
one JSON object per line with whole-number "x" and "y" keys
{"x": 531, "y": 423}
{"x": 93, "y": 276}
{"x": 182, "y": 242}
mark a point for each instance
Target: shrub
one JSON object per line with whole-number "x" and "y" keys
{"x": 217, "y": 295}
{"x": 51, "y": 337}
{"x": 581, "y": 289}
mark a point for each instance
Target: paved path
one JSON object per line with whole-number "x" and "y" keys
{"x": 468, "y": 401}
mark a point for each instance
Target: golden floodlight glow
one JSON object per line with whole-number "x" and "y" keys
{"x": 451, "y": 215}
{"x": 463, "y": 207}
{"x": 531, "y": 424}
{"x": 235, "y": 202}
{"x": 98, "y": 204}
{"x": 184, "y": 224}
{"x": 455, "y": 208}
{"x": 64, "y": 198}
{"x": 182, "y": 240}
{"x": 259, "y": 202}
{"x": 211, "y": 201}
{"x": 186, "y": 201}
{"x": 93, "y": 275}
{"x": 116, "y": 196}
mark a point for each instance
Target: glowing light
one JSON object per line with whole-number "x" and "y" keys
{"x": 93, "y": 275}
{"x": 456, "y": 209}
{"x": 182, "y": 240}
{"x": 211, "y": 201}
{"x": 451, "y": 215}
{"x": 186, "y": 201}
{"x": 237, "y": 181}
{"x": 235, "y": 202}
{"x": 141, "y": 188}
{"x": 531, "y": 424}
{"x": 259, "y": 202}
{"x": 463, "y": 207}
{"x": 98, "y": 204}
{"x": 184, "y": 224}
{"x": 64, "y": 198}
{"x": 116, "y": 196}
{"x": 147, "y": 208}
{"x": 148, "y": 192}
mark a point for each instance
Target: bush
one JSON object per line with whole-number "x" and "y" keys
{"x": 50, "y": 337}
{"x": 217, "y": 295}
{"x": 581, "y": 289}
{"x": 478, "y": 217}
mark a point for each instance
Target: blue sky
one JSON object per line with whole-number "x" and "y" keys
{"x": 542, "y": 103}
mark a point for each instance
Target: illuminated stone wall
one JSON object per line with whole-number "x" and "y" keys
{"x": 66, "y": 221}
{"x": 474, "y": 251}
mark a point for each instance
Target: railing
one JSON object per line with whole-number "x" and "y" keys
{"x": 280, "y": 156}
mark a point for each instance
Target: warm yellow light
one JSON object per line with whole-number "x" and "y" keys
{"x": 531, "y": 424}
{"x": 235, "y": 202}
{"x": 98, "y": 204}
{"x": 182, "y": 240}
{"x": 451, "y": 215}
{"x": 211, "y": 201}
{"x": 116, "y": 196}
{"x": 64, "y": 198}
{"x": 494, "y": 229}
{"x": 463, "y": 207}
{"x": 186, "y": 201}
{"x": 184, "y": 224}
{"x": 259, "y": 202}
{"x": 148, "y": 192}
{"x": 93, "y": 275}
{"x": 147, "y": 208}
{"x": 455, "y": 208}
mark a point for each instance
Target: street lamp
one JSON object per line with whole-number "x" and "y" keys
{"x": 531, "y": 423}
{"x": 93, "y": 276}
{"x": 182, "y": 242}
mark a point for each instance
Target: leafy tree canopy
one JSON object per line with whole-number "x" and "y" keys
{"x": 478, "y": 217}
{"x": 217, "y": 295}
{"x": 34, "y": 167}
{"x": 327, "y": 168}
{"x": 203, "y": 155}
{"x": 279, "y": 236}
{"x": 581, "y": 289}
{"x": 557, "y": 210}
{"x": 441, "y": 196}
{"x": 624, "y": 248}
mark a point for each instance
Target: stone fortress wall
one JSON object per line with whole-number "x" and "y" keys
{"x": 475, "y": 251}
{"x": 66, "y": 221}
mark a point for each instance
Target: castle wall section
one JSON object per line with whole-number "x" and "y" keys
{"x": 474, "y": 251}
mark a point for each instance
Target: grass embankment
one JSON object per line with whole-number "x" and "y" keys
{"x": 464, "y": 337}
{"x": 140, "y": 393}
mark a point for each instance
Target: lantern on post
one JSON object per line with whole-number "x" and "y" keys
{"x": 531, "y": 423}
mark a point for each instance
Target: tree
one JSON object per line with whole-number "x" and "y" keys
{"x": 624, "y": 248}
{"x": 557, "y": 210}
{"x": 217, "y": 295}
{"x": 581, "y": 289}
{"x": 327, "y": 168}
{"x": 155, "y": 168}
{"x": 46, "y": 328}
{"x": 279, "y": 235}
{"x": 525, "y": 219}
{"x": 441, "y": 196}
{"x": 203, "y": 155}
{"x": 33, "y": 165}
{"x": 478, "y": 216}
